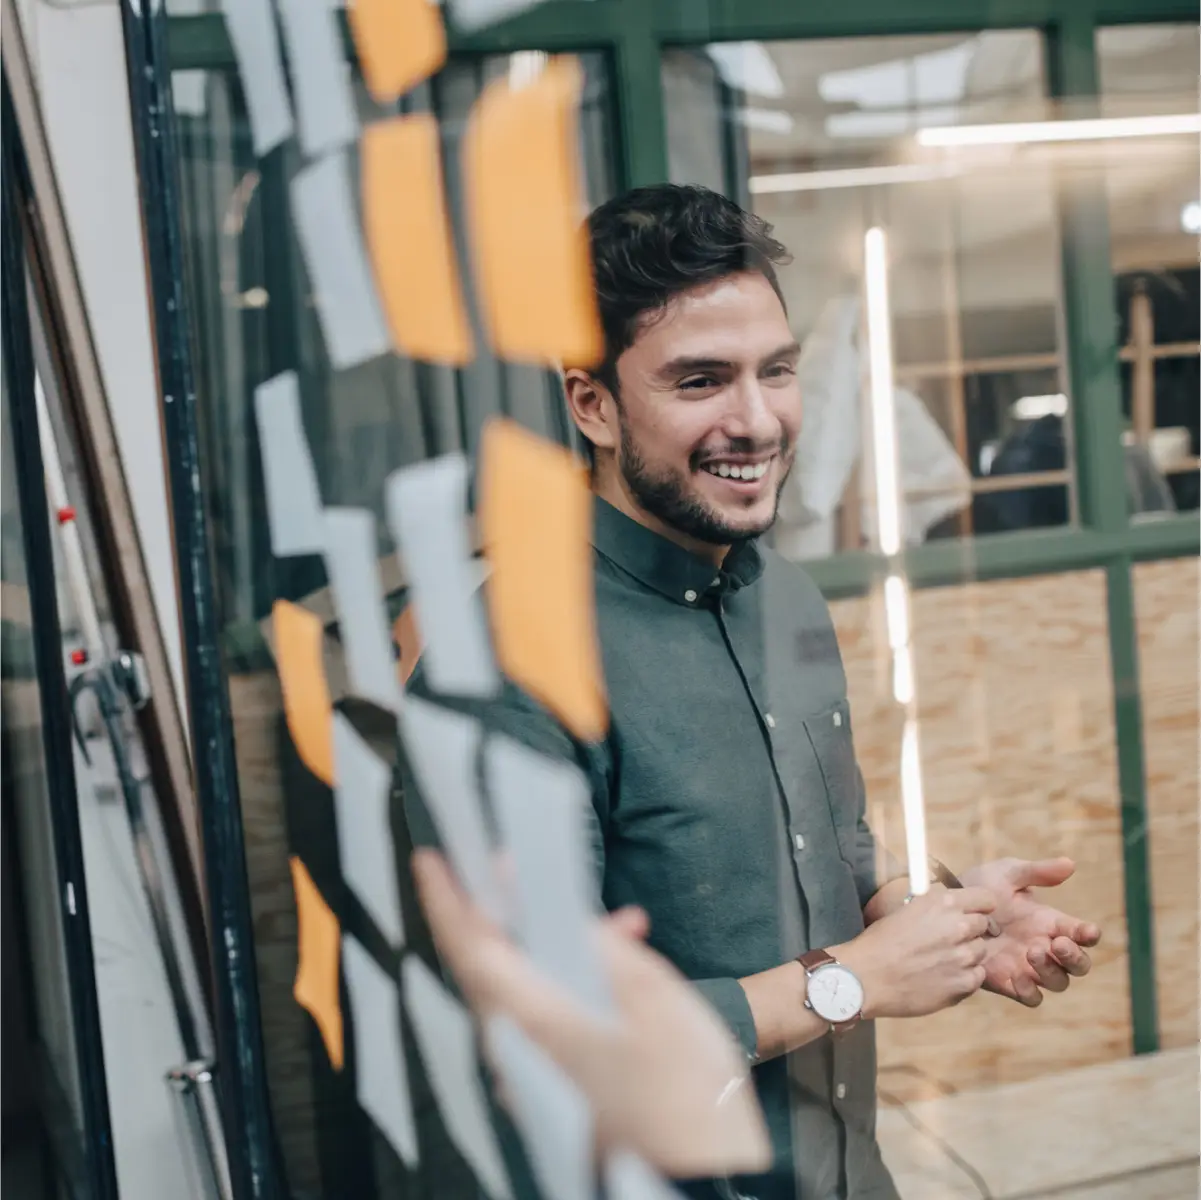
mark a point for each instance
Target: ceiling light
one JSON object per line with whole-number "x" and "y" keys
{"x": 1190, "y": 217}
{"x": 1093, "y": 129}
{"x": 747, "y": 67}
{"x": 816, "y": 181}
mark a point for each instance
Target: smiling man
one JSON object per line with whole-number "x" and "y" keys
{"x": 726, "y": 797}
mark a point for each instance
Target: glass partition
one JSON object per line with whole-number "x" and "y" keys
{"x": 832, "y": 138}
{"x": 1150, "y": 71}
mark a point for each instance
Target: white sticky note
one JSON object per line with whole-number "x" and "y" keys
{"x": 469, "y": 15}
{"x": 443, "y": 748}
{"x": 550, "y": 1111}
{"x": 362, "y": 786}
{"x": 541, "y": 808}
{"x": 628, "y": 1177}
{"x": 381, "y": 1075}
{"x": 289, "y": 477}
{"x": 352, "y": 566}
{"x": 251, "y": 28}
{"x": 320, "y": 76}
{"x": 331, "y": 240}
{"x": 426, "y": 506}
{"x": 447, "y": 1043}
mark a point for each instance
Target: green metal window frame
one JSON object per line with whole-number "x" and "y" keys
{"x": 634, "y": 33}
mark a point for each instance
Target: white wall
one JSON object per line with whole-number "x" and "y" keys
{"x": 79, "y": 58}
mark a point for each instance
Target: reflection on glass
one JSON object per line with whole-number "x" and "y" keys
{"x": 830, "y": 131}
{"x": 26, "y": 800}
{"x": 251, "y": 308}
{"x": 1149, "y": 72}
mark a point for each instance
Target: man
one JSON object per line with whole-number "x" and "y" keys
{"x": 727, "y": 799}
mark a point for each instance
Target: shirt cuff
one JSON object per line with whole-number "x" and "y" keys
{"x": 728, "y": 998}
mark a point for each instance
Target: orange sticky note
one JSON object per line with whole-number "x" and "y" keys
{"x": 320, "y": 942}
{"x": 307, "y": 707}
{"x": 408, "y": 234}
{"x": 399, "y": 43}
{"x": 534, "y": 273}
{"x": 536, "y": 521}
{"x": 407, "y": 637}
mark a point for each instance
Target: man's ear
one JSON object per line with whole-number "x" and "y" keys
{"x": 592, "y": 407}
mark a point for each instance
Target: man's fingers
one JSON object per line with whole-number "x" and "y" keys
{"x": 975, "y": 899}
{"x": 1070, "y": 956}
{"x": 1051, "y": 975}
{"x": 1026, "y": 991}
{"x": 1046, "y": 872}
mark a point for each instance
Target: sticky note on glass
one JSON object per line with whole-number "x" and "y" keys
{"x": 251, "y": 28}
{"x": 408, "y": 232}
{"x": 541, "y": 807}
{"x": 427, "y": 509}
{"x": 447, "y": 1042}
{"x": 320, "y": 76}
{"x": 535, "y": 518}
{"x": 470, "y": 15}
{"x": 381, "y": 1073}
{"x": 298, "y": 634}
{"x": 289, "y": 477}
{"x": 352, "y": 566}
{"x": 442, "y": 747}
{"x": 550, "y": 1111}
{"x": 399, "y": 43}
{"x": 521, "y": 168}
{"x": 363, "y": 785}
{"x": 327, "y": 227}
{"x": 318, "y": 935}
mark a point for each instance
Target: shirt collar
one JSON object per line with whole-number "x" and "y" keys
{"x": 666, "y": 567}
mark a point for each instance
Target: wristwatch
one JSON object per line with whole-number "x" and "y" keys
{"x": 833, "y": 991}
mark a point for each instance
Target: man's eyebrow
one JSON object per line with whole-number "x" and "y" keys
{"x": 688, "y": 363}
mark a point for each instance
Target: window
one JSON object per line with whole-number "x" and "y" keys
{"x": 1154, "y": 222}
{"x": 831, "y": 136}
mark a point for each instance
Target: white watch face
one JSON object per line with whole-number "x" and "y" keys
{"x": 835, "y": 994}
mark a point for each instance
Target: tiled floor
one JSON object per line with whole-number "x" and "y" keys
{"x": 1117, "y": 1130}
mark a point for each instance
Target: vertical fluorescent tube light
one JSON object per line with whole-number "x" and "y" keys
{"x": 888, "y": 524}
{"x": 884, "y": 425}
{"x": 913, "y": 806}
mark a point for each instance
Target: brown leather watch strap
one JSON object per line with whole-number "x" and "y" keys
{"x": 812, "y": 959}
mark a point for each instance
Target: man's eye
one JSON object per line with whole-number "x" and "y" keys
{"x": 780, "y": 371}
{"x": 697, "y": 383}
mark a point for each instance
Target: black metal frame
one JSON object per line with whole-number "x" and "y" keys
{"x": 241, "y": 1075}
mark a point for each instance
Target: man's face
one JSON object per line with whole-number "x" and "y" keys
{"x": 709, "y": 409}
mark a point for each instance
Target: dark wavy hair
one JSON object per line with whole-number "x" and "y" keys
{"x": 652, "y": 243}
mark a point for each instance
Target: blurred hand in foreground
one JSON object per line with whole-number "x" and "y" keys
{"x": 665, "y": 1080}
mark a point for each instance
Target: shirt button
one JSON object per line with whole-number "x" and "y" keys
{"x": 799, "y": 841}
{"x": 690, "y": 596}
{"x": 837, "y": 720}
{"x": 841, "y": 1091}
{"x": 769, "y": 720}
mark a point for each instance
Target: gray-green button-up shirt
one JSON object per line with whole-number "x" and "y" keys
{"x": 728, "y": 803}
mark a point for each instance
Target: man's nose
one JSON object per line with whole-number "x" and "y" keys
{"x": 749, "y": 414}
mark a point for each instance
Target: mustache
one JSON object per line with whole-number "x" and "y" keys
{"x": 740, "y": 446}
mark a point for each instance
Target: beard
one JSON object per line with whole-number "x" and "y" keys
{"x": 670, "y": 495}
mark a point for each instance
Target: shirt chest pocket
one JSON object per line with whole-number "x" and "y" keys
{"x": 829, "y": 734}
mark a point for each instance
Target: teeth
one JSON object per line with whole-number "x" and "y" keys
{"x": 749, "y": 471}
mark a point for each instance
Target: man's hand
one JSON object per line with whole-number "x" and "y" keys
{"x": 1038, "y": 946}
{"x": 924, "y": 956}
{"x": 664, "y": 1079}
